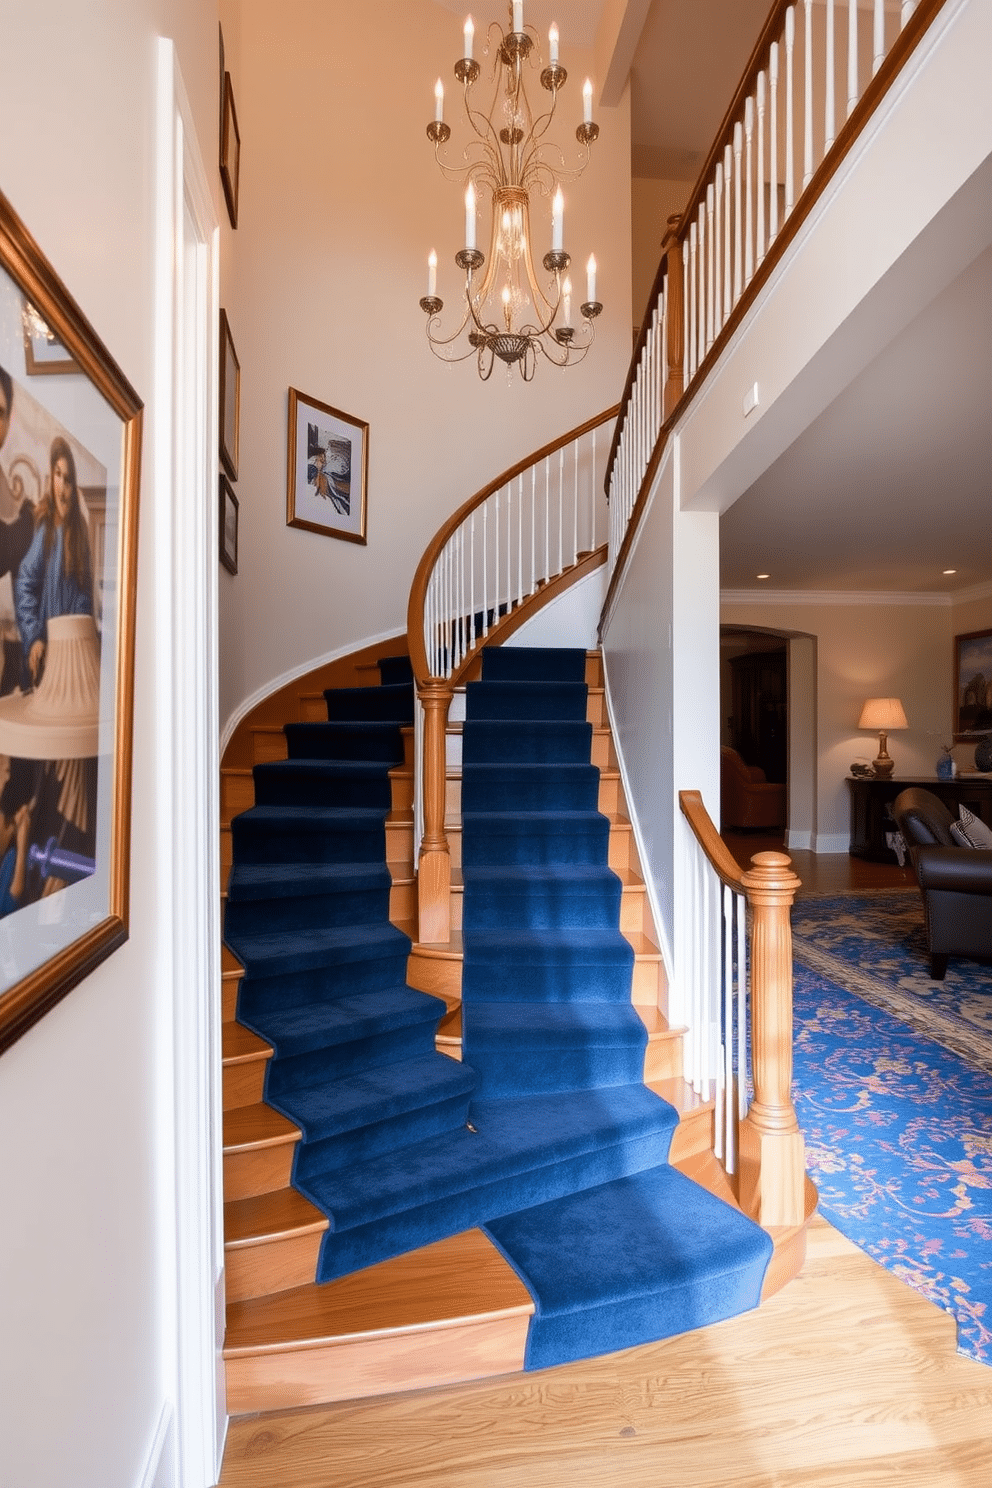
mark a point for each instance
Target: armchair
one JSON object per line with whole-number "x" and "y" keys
{"x": 747, "y": 799}
{"x": 955, "y": 882}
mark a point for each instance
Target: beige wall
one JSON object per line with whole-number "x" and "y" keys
{"x": 84, "y": 1295}
{"x": 652, "y": 203}
{"x": 341, "y": 203}
{"x": 870, "y": 650}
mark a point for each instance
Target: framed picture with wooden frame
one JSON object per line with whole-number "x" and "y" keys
{"x": 972, "y": 685}
{"x": 230, "y": 399}
{"x": 70, "y": 453}
{"x": 327, "y": 469}
{"x": 228, "y": 525}
{"x": 44, "y": 354}
{"x": 230, "y": 150}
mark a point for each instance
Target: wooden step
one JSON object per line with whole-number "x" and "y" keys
{"x": 453, "y": 1311}
{"x": 694, "y": 1133}
{"x": 268, "y": 743}
{"x": 245, "y": 1058}
{"x": 259, "y": 1145}
{"x": 271, "y": 1242}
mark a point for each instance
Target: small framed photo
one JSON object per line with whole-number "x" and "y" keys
{"x": 44, "y": 353}
{"x": 230, "y": 399}
{"x": 327, "y": 469}
{"x": 230, "y": 150}
{"x": 228, "y": 526}
{"x": 972, "y": 685}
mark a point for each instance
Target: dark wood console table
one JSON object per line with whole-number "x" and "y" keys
{"x": 870, "y": 818}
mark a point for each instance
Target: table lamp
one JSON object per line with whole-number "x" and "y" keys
{"x": 883, "y": 714}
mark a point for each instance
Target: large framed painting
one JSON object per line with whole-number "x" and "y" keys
{"x": 972, "y": 685}
{"x": 70, "y": 449}
{"x": 327, "y": 469}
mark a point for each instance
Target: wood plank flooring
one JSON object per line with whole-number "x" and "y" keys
{"x": 846, "y": 1379}
{"x": 822, "y": 873}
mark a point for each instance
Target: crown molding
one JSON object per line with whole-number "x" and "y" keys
{"x": 852, "y": 597}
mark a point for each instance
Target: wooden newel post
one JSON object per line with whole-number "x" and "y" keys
{"x": 434, "y": 870}
{"x": 772, "y": 1154}
{"x": 675, "y": 312}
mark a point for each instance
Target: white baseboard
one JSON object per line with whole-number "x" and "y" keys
{"x": 836, "y": 842}
{"x": 160, "y": 1464}
{"x": 799, "y": 841}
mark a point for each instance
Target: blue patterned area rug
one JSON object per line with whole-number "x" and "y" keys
{"x": 898, "y": 1128}
{"x": 874, "y": 944}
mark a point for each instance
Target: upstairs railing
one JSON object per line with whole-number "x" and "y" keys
{"x": 737, "y": 990}
{"x": 537, "y": 527}
{"x": 815, "y": 77}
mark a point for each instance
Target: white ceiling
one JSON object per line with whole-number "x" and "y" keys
{"x": 893, "y": 482}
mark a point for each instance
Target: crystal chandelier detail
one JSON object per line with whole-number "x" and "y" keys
{"x": 510, "y": 314}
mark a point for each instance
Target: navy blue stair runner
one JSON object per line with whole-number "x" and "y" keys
{"x": 546, "y": 1135}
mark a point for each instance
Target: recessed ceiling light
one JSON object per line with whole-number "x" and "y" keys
{"x": 949, "y": 570}
{"x": 762, "y": 576}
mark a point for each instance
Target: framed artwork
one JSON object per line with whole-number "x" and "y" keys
{"x": 70, "y": 451}
{"x": 972, "y": 685}
{"x": 230, "y": 150}
{"x": 228, "y": 525}
{"x": 230, "y": 399}
{"x": 327, "y": 469}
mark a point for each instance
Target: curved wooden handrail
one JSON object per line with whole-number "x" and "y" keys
{"x": 418, "y": 590}
{"x": 720, "y": 858}
{"x": 847, "y": 134}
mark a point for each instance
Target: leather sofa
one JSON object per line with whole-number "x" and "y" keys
{"x": 747, "y": 799}
{"x": 955, "y": 882}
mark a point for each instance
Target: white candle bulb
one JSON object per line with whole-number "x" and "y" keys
{"x": 553, "y": 44}
{"x": 469, "y": 37}
{"x": 470, "y": 216}
{"x": 557, "y": 214}
{"x": 438, "y": 101}
{"x": 566, "y": 300}
{"x": 518, "y": 15}
{"x": 587, "y": 102}
{"x": 591, "y": 279}
{"x": 432, "y": 274}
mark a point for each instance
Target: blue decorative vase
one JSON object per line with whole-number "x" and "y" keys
{"x": 945, "y": 767}
{"x": 983, "y": 754}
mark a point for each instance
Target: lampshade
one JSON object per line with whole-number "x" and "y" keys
{"x": 883, "y": 713}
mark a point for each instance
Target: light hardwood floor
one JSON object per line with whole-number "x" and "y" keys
{"x": 846, "y": 1379}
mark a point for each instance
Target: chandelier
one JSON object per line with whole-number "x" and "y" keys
{"x": 510, "y": 314}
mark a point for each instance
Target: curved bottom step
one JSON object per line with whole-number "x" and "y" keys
{"x": 451, "y": 1312}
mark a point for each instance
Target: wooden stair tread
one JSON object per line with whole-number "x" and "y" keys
{"x": 680, "y": 1094}
{"x": 270, "y": 1216}
{"x": 240, "y": 1046}
{"x": 453, "y": 1281}
{"x": 252, "y": 1127}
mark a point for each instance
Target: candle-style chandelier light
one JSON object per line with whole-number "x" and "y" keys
{"x": 509, "y": 313}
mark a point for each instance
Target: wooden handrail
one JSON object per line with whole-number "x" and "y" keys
{"x": 418, "y": 589}
{"x": 721, "y": 860}
{"x": 772, "y": 1160}
{"x": 895, "y": 59}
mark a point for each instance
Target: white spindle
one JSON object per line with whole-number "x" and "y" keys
{"x": 878, "y": 37}
{"x": 743, "y": 1002}
{"x": 561, "y": 510}
{"x": 685, "y": 338}
{"x": 760, "y": 235}
{"x": 773, "y": 143}
{"x": 718, "y": 256}
{"x": 510, "y": 597}
{"x": 829, "y": 126}
{"x": 497, "y": 539}
{"x": 790, "y": 96}
{"x": 728, "y": 1027}
{"x": 701, "y": 283}
{"x": 592, "y": 497}
{"x": 471, "y": 585}
{"x": 547, "y": 518}
{"x": 738, "y": 246}
{"x": 908, "y": 6}
{"x": 533, "y": 528}
{"x": 852, "y": 56}
{"x": 728, "y": 260}
{"x": 710, "y": 270}
{"x": 808, "y": 96}
{"x": 749, "y": 188}
{"x": 691, "y": 298}
{"x": 520, "y": 535}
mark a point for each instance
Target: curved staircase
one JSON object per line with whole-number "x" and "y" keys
{"x": 433, "y": 1199}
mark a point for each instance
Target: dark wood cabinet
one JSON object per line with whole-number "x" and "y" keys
{"x": 759, "y": 711}
{"x": 870, "y": 799}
